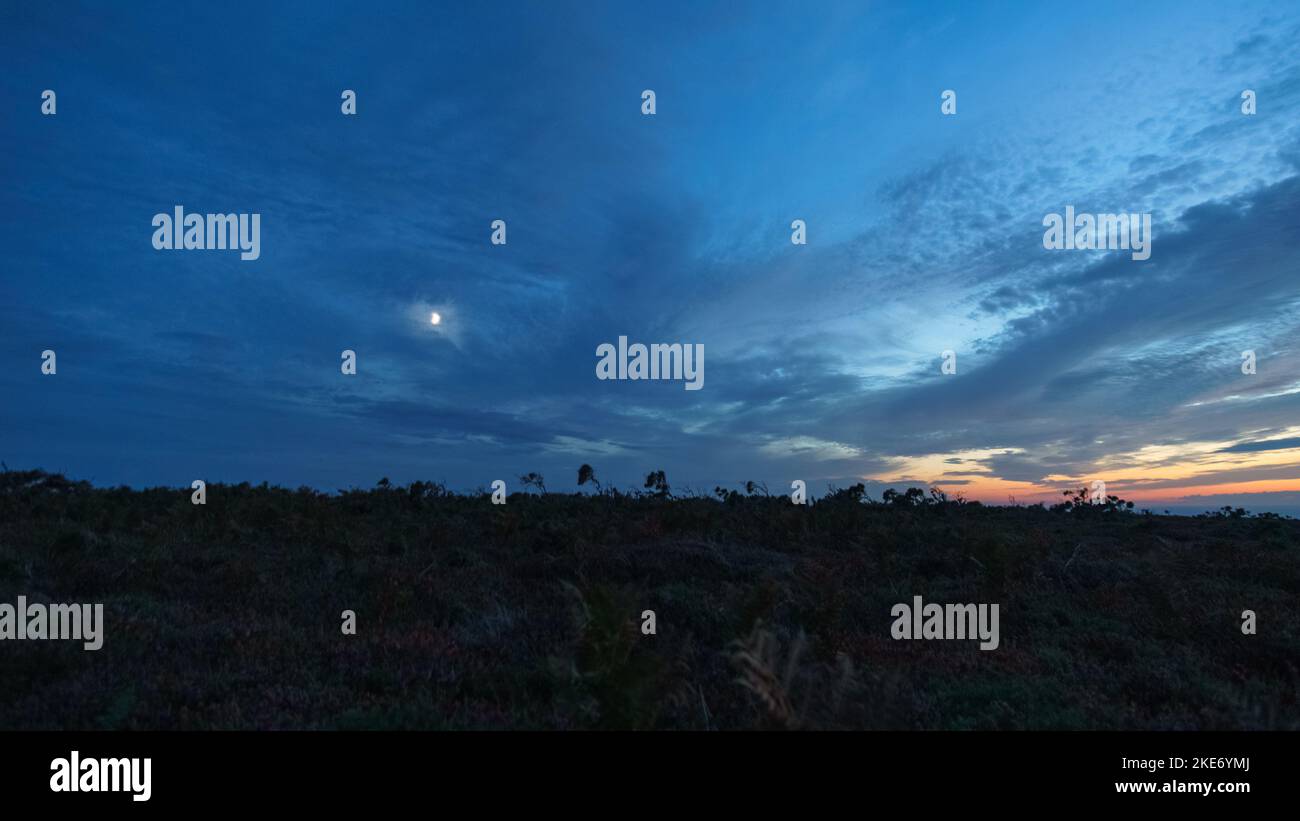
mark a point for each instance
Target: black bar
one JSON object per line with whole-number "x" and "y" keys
{"x": 238, "y": 770}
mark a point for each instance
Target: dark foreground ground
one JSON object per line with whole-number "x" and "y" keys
{"x": 528, "y": 615}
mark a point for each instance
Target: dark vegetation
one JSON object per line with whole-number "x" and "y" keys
{"x": 527, "y": 615}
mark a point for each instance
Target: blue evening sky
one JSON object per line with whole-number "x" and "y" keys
{"x": 822, "y": 361}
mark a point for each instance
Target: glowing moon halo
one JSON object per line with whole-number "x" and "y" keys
{"x": 435, "y": 318}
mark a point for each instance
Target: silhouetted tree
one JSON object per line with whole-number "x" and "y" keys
{"x": 657, "y": 483}
{"x": 533, "y": 480}
{"x": 586, "y": 474}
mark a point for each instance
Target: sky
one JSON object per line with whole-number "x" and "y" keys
{"x": 823, "y": 361}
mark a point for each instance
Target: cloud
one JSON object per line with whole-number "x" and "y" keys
{"x": 822, "y": 360}
{"x": 1255, "y": 447}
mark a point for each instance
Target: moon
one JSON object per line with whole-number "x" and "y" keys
{"x": 435, "y": 321}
